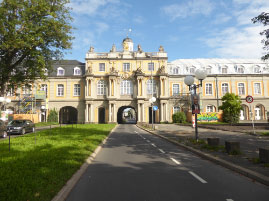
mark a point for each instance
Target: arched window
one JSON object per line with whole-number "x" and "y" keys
{"x": 126, "y": 87}
{"x": 210, "y": 108}
{"x": 151, "y": 84}
{"x": 101, "y": 87}
{"x": 60, "y": 71}
{"x": 176, "y": 109}
{"x": 77, "y": 71}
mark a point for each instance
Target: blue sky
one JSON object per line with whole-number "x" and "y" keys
{"x": 185, "y": 28}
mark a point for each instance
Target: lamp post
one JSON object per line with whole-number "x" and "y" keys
{"x": 189, "y": 80}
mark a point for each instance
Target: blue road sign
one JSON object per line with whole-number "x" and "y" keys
{"x": 155, "y": 108}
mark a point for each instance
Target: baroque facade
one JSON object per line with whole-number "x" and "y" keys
{"x": 99, "y": 90}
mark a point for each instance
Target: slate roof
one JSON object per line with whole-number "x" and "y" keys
{"x": 68, "y": 66}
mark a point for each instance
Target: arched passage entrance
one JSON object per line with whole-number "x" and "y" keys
{"x": 126, "y": 115}
{"x": 259, "y": 112}
{"x": 68, "y": 115}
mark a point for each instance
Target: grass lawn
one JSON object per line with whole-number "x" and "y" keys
{"x": 40, "y": 164}
{"x": 40, "y": 124}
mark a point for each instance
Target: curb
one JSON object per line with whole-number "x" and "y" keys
{"x": 244, "y": 171}
{"x": 66, "y": 189}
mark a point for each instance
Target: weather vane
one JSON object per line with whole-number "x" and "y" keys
{"x": 129, "y": 32}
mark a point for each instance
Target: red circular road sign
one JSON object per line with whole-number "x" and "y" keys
{"x": 249, "y": 99}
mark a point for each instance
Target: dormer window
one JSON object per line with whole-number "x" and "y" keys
{"x": 176, "y": 70}
{"x": 208, "y": 70}
{"x": 240, "y": 70}
{"x": 224, "y": 70}
{"x": 45, "y": 71}
{"x": 257, "y": 69}
{"x": 77, "y": 71}
{"x": 60, "y": 71}
{"x": 192, "y": 70}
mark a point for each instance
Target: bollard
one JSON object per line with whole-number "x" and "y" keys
{"x": 232, "y": 147}
{"x": 214, "y": 141}
{"x": 264, "y": 155}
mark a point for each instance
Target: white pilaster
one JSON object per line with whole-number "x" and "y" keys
{"x": 143, "y": 112}
{"x": 109, "y": 113}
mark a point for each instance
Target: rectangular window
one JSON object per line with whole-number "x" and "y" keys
{"x": 76, "y": 89}
{"x": 126, "y": 67}
{"x": 151, "y": 66}
{"x": 224, "y": 88}
{"x": 241, "y": 89}
{"x": 208, "y": 89}
{"x": 176, "y": 109}
{"x": 175, "y": 89}
{"x": 102, "y": 67}
{"x": 240, "y": 70}
{"x": 60, "y": 90}
{"x": 44, "y": 87}
{"x": 257, "y": 88}
{"x": 11, "y": 91}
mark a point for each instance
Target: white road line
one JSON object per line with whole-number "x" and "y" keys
{"x": 197, "y": 177}
{"x": 161, "y": 151}
{"x": 136, "y": 132}
{"x": 229, "y": 200}
{"x": 177, "y": 162}
{"x": 148, "y": 141}
{"x": 153, "y": 145}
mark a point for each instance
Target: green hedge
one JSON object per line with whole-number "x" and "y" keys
{"x": 179, "y": 117}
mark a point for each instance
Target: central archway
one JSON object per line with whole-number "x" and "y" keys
{"x": 68, "y": 115}
{"x": 126, "y": 115}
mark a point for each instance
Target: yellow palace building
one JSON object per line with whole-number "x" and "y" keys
{"x": 121, "y": 85}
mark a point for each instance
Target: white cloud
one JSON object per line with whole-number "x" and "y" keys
{"x": 139, "y": 19}
{"x": 90, "y": 7}
{"x": 237, "y": 43}
{"x": 222, "y": 18}
{"x": 189, "y": 8}
{"x": 101, "y": 27}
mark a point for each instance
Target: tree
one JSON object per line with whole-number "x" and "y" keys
{"x": 53, "y": 116}
{"x": 231, "y": 106}
{"x": 33, "y": 33}
{"x": 264, "y": 19}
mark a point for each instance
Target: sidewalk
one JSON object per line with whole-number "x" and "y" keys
{"x": 249, "y": 145}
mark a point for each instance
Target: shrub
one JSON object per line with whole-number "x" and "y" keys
{"x": 53, "y": 116}
{"x": 179, "y": 117}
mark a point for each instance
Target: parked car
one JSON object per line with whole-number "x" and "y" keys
{"x": 20, "y": 126}
{"x": 3, "y": 129}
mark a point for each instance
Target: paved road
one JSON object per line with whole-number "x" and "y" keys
{"x": 137, "y": 166}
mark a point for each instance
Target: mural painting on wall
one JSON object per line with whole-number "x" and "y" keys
{"x": 208, "y": 116}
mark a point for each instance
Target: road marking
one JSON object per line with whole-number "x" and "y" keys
{"x": 161, "y": 151}
{"x": 197, "y": 177}
{"x": 229, "y": 199}
{"x": 136, "y": 132}
{"x": 153, "y": 144}
{"x": 148, "y": 141}
{"x": 175, "y": 161}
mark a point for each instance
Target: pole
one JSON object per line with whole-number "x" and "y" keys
{"x": 196, "y": 126}
{"x": 252, "y": 119}
{"x": 151, "y": 92}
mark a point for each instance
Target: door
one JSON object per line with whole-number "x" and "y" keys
{"x": 101, "y": 115}
{"x": 257, "y": 113}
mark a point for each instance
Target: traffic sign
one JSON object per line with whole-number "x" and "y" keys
{"x": 155, "y": 107}
{"x": 249, "y": 99}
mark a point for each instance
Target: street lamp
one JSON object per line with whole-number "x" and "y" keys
{"x": 189, "y": 80}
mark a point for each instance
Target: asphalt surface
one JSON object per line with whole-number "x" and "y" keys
{"x": 134, "y": 165}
